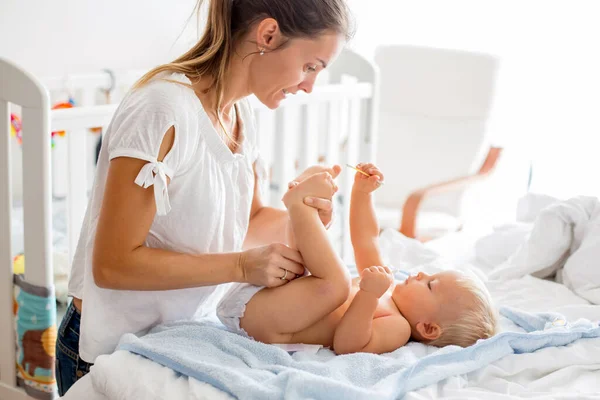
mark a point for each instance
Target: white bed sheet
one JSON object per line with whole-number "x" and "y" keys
{"x": 570, "y": 372}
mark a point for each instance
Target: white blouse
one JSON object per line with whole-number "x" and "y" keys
{"x": 204, "y": 209}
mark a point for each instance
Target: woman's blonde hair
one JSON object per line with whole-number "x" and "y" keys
{"x": 477, "y": 320}
{"x": 230, "y": 20}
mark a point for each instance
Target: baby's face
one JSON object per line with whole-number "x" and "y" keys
{"x": 429, "y": 298}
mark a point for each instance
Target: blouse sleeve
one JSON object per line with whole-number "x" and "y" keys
{"x": 137, "y": 131}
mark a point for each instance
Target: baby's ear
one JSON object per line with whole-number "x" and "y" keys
{"x": 429, "y": 330}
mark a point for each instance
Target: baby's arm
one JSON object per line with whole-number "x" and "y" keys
{"x": 364, "y": 228}
{"x": 358, "y": 331}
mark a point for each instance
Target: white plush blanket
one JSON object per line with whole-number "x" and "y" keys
{"x": 563, "y": 244}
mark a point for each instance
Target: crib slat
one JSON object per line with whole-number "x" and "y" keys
{"x": 60, "y": 158}
{"x": 7, "y": 340}
{"x": 76, "y": 186}
{"x": 309, "y": 140}
{"x": 367, "y": 136}
{"x": 350, "y": 128}
{"x": 332, "y": 151}
{"x": 287, "y": 124}
{"x": 265, "y": 132}
{"x": 345, "y": 180}
{"x": 36, "y": 196}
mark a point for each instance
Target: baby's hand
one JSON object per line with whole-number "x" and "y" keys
{"x": 318, "y": 185}
{"x": 367, "y": 184}
{"x": 376, "y": 280}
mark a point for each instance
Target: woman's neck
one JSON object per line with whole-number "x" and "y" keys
{"x": 235, "y": 88}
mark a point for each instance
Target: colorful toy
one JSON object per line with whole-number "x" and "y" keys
{"x": 16, "y": 124}
{"x": 19, "y": 264}
{"x": 68, "y": 104}
{"x": 16, "y": 127}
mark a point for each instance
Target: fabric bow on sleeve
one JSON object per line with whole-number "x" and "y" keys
{"x": 156, "y": 173}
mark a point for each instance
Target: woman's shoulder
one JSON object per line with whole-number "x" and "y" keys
{"x": 147, "y": 113}
{"x": 165, "y": 92}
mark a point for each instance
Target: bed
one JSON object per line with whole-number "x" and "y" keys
{"x": 569, "y": 372}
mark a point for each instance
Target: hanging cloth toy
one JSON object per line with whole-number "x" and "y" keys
{"x": 16, "y": 127}
{"x": 68, "y": 104}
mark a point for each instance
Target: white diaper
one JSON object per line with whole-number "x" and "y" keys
{"x": 233, "y": 305}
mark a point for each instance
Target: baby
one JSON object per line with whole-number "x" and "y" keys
{"x": 363, "y": 315}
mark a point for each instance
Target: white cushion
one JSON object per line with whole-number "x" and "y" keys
{"x": 430, "y": 224}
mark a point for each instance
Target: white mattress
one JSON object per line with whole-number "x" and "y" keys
{"x": 570, "y": 372}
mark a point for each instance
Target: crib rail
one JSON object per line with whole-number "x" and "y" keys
{"x": 82, "y": 117}
{"x": 107, "y": 80}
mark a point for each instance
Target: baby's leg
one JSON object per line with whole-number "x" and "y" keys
{"x": 274, "y": 313}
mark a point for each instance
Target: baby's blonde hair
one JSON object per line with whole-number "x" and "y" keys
{"x": 478, "y": 319}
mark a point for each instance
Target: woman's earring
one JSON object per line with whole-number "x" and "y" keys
{"x": 262, "y": 51}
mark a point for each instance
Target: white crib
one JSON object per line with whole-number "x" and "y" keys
{"x": 334, "y": 124}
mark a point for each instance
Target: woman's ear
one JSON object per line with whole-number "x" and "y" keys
{"x": 268, "y": 35}
{"x": 429, "y": 330}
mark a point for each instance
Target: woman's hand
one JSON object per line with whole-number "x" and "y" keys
{"x": 273, "y": 265}
{"x": 334, "y": 171}
{"x": 324, "y": 205}
{"x": 319, "y": 185}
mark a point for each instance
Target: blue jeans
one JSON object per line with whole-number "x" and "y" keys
{"x": 69, "y": 366}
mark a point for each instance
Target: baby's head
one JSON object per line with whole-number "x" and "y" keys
{"x": 447, "y": 308}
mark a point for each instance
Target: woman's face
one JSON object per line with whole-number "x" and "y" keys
{"x": 292, "y": 68}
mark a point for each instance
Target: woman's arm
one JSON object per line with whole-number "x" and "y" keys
{"x": 121, "y": 261}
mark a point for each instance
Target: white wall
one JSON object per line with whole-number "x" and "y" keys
{"x": 548, "y": 93}
{"x": 58, "y": 37}
{"x": 64, "y": 37}
{"x": 547, "y": 98}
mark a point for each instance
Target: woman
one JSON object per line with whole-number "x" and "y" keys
{"x": 149, "y": 256}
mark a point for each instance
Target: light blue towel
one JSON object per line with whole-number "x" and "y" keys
{"x": 252, "y": 370}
